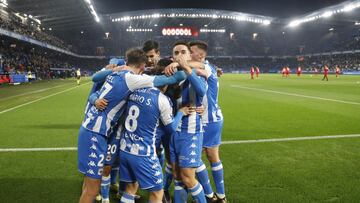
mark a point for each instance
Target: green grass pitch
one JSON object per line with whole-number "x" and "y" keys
{"x": 324, "y": 170}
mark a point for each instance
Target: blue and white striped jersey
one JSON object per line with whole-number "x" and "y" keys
{"x": 116, "y": 89}
{"x": 146, "y": 109}
{"x": 212, "y": 109}
{"x": 189, "y": 96}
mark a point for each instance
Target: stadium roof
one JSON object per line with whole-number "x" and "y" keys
{"x": 57, "y": 14}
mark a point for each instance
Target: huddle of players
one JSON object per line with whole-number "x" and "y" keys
{"x": 130, "y": 117}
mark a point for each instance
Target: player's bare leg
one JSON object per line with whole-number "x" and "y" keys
{"x": 91, "y": 188}
{"x": 156, "y": 196}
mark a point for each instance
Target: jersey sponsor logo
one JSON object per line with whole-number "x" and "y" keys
{"x": 134, "y": 137}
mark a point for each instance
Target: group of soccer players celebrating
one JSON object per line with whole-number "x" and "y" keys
{"x": 144, "y": 111}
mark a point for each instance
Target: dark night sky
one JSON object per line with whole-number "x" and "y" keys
{"x": 273, "y": 8}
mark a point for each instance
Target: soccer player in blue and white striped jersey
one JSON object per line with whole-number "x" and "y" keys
{"x": 213, "y": 123}
{"x": 98, "y": 125}
{"x": 186, "y": 143}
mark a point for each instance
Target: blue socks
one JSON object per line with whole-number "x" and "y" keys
{"x": 127, "y": 198}
{"x": 218, "y": 176}
{"x": 180, "y": 192}
{"x": 203, "y": 178}
{"x": 113, "y": 175}
{"x": 197, "y": 193}
{"x": 168, "y": 176}
{"x": 105, "y": 187}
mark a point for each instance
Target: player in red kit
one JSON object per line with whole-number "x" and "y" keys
{"x": 299, "y": 71}
{"x": 337, "y": 71}
{"x": 287, "y": 71}
{"x": 283, "y": 71}
{"x": 252, "y": 72}
{"x": 326, "y": 71}
{"x": 257, "y": 71}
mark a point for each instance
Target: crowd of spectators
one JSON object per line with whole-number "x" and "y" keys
{"x": 20, "y": 57}
{"x": 32, "y": 31}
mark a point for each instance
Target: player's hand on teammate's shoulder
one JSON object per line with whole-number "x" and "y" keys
{"x": 187, "y": 110}
{"x": 101, "y": 104}
{"x": 171, "y": 69}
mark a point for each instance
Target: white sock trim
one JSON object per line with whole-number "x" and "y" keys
{"x": 197, "y": 191}
{"x": 217, "y": 168}
{"x": 200, "y": 168}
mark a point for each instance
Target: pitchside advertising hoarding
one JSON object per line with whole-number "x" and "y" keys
{"x": 180, "y": 31}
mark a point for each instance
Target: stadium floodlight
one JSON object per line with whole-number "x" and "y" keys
{"x": 349, "y": 8}
{"x": 357, "y": 23}
{"x": 266, "y": 22}
{"x": 3, "y": 3}
{"x": 181, "y": 24}
{"x": 50, "y": 28}
{"x": 294, "y": 23}
{"x": 331, "y": 29}
{"x": 156, "y": 25}
{"x": 327, "y": 14}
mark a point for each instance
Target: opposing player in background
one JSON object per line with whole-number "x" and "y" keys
{"x": 252, "y": 71}
{"x": 257, "y": 71}
{"x": 213, "y": 123}
{"x": 337, "y": 71}
{"x": 298, "y": 71}
{"x": 98, "y": 125}
{"x": 78, "y": 76}
{"x": 326, "y": 72}
{"x": 283, "y": 71}
{"x": 287, "y": 72}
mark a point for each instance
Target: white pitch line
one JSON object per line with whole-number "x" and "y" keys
{"x": 296, "y": 95}
{"x": 42, "y": 98}
{"x": 290, "y": 139}
{"x": 224, "y": 143}
{"x": 32, "y": 92}
{"x": 38, "y": 149}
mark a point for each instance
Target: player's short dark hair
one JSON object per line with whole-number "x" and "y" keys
{"x": 181, "y": 43}
{"x": 150, "y": 45}
{"x": 161, "y": 65}
{"x": 135, "y": 57}
{"x": 200, "y": 44}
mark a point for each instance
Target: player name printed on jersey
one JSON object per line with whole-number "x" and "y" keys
{"x": 145, "y": 109}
